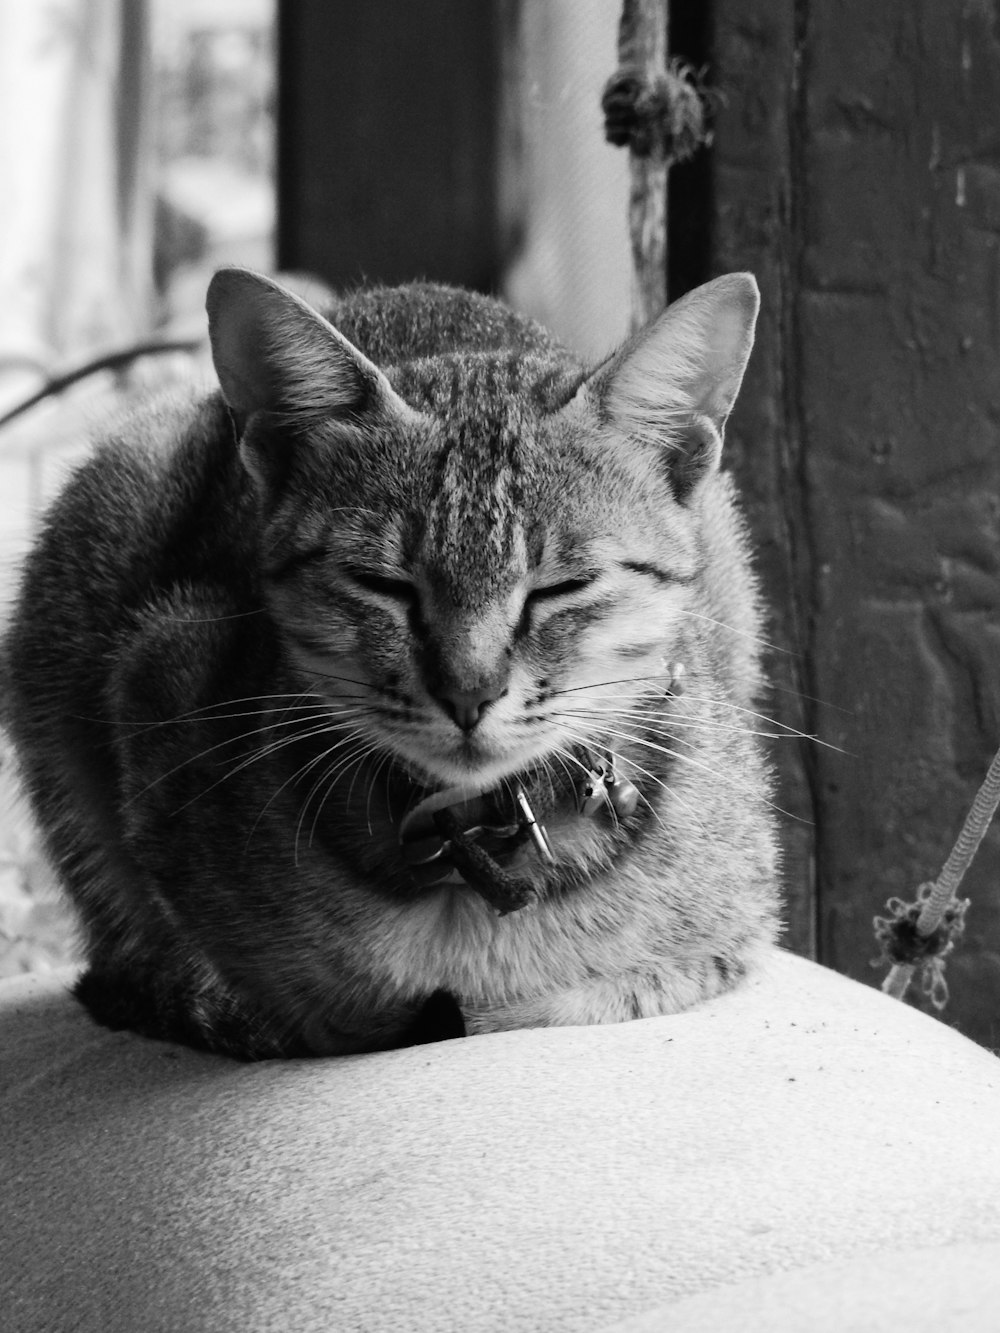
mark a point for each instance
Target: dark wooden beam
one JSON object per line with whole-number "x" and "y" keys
{"x": 855, "y": 172}
{"x": 387, "y": 126}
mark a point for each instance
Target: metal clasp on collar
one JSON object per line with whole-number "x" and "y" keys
{"x": 536, "y": 832}
{"x": 604, "y": 785}
{"x": 430, "y": 852}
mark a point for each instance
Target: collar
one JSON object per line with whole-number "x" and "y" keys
{"x": 461, "y": 835}
{"x": 454, "y": 836}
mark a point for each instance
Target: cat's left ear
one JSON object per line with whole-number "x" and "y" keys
{"x": 274, "y": 353}
{"x": 675, "y": 382}
{"x": 279, "y": 361}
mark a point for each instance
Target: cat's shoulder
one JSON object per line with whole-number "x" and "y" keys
{"x": 184, "y": 424}
{"x": 168, "y": 454}
{"x": 421, "y": 319}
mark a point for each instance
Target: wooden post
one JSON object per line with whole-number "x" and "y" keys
{"x": 854, "y": 173}
{"x": 387, "y": 128}
{"x": 642, "y": 46}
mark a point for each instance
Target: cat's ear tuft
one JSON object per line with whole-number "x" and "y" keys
{"x": 675, "y": 382}
{"x": 274, "y": 353}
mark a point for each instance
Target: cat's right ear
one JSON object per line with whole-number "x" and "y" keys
{"x": 275, "y": 354}
{"x": 674, "y": 384}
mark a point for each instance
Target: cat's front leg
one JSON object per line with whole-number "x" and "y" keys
{"x": 163, "y": 1001}
{"x": 617, "y": 999}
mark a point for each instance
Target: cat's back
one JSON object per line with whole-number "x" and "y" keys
{"x": 160, "y": 479}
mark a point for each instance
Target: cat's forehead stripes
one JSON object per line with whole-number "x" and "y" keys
{"x": 473, "y": 532}
{"x": 473, "y": 519}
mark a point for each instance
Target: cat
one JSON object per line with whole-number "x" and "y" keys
{"x": 405, "y": 687}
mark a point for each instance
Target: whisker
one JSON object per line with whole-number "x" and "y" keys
{"x": 193, "y": 758}
{"x": 297, "y": 775}
{"x": 317, "y": 759}
{"x": 653, "y": 777}
{"x": 605, "y": 684}
{"x": 330, "y": 778}
{"x": 388, "y": 776}
{"x": 344, "y": 680}
{"x": 742, "y": 633}
{"x": 787, "y": 730}
{"x": 264, "y": 751}
{"x": 195, "y": 714}
{"x": 718, "y": 776}
{"x": 611, "y": 809}
{"x": 383, "y": 763}
{"x": 762, "y": 717}
{"x": 570, "y": 776}
{"x": 357, "y": 774}
{"x": 208, "y": 620}
{"x": 314, "y": 710}
{"x": 671, "y": 719}
{"x": 810, "y": 698}
{"x": 334, "y": 768}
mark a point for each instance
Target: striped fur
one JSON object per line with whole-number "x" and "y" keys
{"x": 234, "y": 658}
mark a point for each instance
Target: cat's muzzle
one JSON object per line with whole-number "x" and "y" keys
{"x": 462, "y": 836}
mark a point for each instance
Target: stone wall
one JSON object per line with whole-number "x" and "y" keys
{"x": 856, "y": 171}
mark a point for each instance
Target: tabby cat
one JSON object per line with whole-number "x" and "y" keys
{"x": 417, "y": 665}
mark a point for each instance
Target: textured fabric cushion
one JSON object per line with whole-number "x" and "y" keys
{"x": 559, "y": 1179}
{"x": 953, "y": 1289}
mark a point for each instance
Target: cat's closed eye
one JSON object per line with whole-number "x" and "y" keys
{"x": 550, "y": 595}
{"x": 548, "y": 592}
{"x": 382, "y": 585}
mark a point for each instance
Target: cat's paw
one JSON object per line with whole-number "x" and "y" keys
{"x": 439, "y": 1019}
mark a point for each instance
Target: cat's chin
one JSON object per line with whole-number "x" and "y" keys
{"x": 474, "y": 769}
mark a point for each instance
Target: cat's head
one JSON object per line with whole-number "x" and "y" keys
{"x": 480, "y": 558}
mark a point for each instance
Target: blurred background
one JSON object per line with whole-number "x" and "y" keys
{"x": 853, "y": 166}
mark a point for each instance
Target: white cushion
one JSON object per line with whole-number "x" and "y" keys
{"x": 555, "y": 1179}
{"x": 951, "y": 1289}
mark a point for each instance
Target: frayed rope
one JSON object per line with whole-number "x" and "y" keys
{"x": 655, "y": 113}
{"x": 920, "y": 935}
{"x": 909, "y": 950}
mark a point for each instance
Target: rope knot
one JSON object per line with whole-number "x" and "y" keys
{"x": 903, "y": 944}
{"x": 655, "y": 113}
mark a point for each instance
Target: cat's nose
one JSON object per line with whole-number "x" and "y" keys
{"x": 466, "y": 707}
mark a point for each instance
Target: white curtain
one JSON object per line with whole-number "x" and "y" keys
{"x": 564, "y": 190}
{"x": 75, "y": 210}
